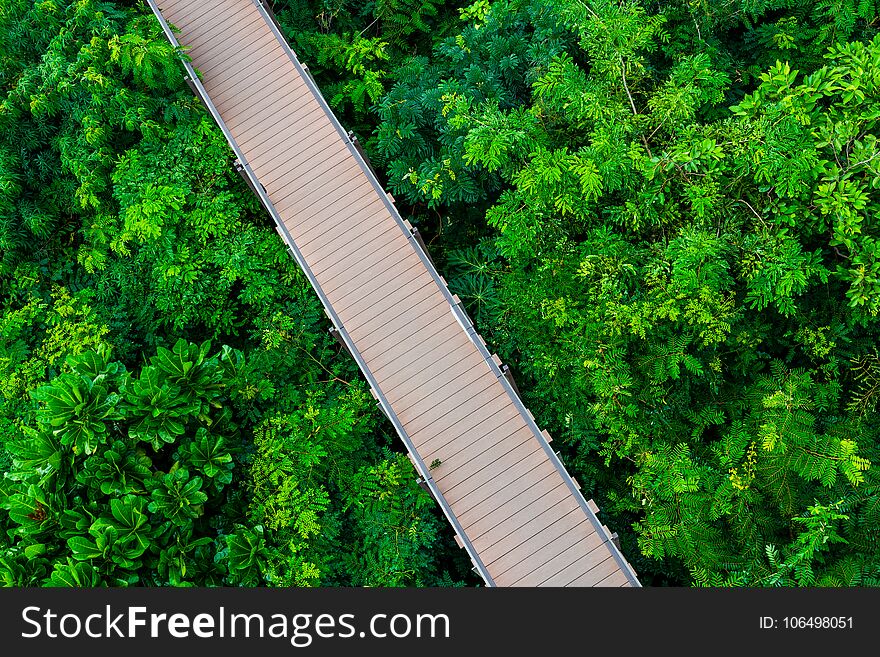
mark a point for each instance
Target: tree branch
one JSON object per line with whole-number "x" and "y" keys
{"x": 626, "y": 86}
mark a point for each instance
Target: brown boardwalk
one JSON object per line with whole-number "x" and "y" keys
{"x": 513, "y": 506}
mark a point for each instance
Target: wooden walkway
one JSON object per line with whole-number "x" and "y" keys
{"x": 511, "y": 502}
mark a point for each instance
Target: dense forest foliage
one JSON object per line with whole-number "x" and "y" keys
{"x": 661, "y": 214}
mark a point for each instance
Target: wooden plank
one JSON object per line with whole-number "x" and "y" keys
{"x": 358, "y": 259}
{"x": 354, "y": 266}
{"x": 424, "y": 356}
{"x": 350, "y": 250}
{"x": 397, "y": 321}
{"x": 446, "y": 444}
{"x": 598, "y": 573}
{"x": 519, "y": 546}
{"x": 491, "y": 415}
{"x": 350, "y": 229}
{"x": 266, "y": 119}
{"x": 274, "y": 108}
{"x": 223, "y": 92}
{"x": 312, "y": 121}
{"x": 425, "y": 322}
{"x": 228, "y": 35}
{"x": 414, "y": 347}
{"x": 505, "y": 446}
{"x": 355, "y": 299}
{"x": 391, "y": 337}
{"x": 369, "y": 275}
{"x": 256, "y": 71}
{"x": 392, "y": 264}
{"x": 198, "y": 24}
{"x": 522, "y": 456}
{"x": 252, "y": 52}
{"x": 187, "y": 24}
{"x": 425, "y": 389}
{"x": 314, "y": 153}
{"x": 185, "y": 5}
{"x": 323, "y": 212}
{"x": 299, "y": 217}
{"x": 277, "y": 156}
{"x": 364, "y": 304}
{"x": 287, "y": 86}
{"x": 255, "y": 54}
{"x": 588, "y": 571}
{"x": 500, "y": 486}
{"x": 244, "y": 104}
{"x": 185, "y": 17}
{"x": 195, "y": 8}
{"x": 223, "y": 95}
{"x": 270, "y": 153}
{"x": 519, "y": 504}
{"x": 497, "y": 487}
{"x": 211, "y": 56}
{"x": 563, "y": 544}
{"x": 450, "y": 410}
{"x": 244, "y": 74}
{"x": 288, "y": 111}
{"x": 425, "y": 325}
{"x": 616, "y": 579}
{"x": 208, "y": 44}
{"x": 315, "y": 180}
{"x": 493, "y": 438}
{"x": 308, "y": 185}
{"x": 417, "y": 304}
{"x": 537, "y": 528}
{"x": 455, "y": 404}
{"x": 347, "y": 219}
{"x": 426, "y": 378}
{"x": 395, "y": 293}
{"x": 275, "y": 113}
{"x": 355, "y": 218}
{"x": 560, "y": 570}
